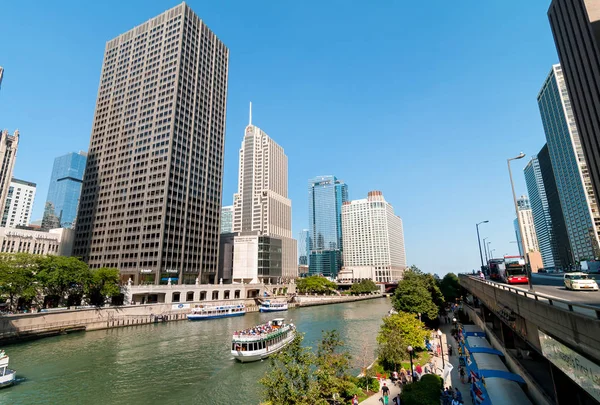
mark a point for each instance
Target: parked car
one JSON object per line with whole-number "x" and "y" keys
{"x": 580, "y": 281}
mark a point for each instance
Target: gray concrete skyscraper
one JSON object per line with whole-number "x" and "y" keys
{"x": 151, "y": 194}
{"x": 8, "y": 154}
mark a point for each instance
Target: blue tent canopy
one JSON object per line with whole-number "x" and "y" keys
{"x": 502, "y": 374}
{"x": 484, "y": 350}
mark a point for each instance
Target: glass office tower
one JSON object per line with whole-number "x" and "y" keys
{"x": 60, "y": 210}
{"x": 574, "y": 184}
{"x": 326, "y": 194}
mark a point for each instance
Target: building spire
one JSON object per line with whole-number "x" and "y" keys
{"x": 250, "y": 123}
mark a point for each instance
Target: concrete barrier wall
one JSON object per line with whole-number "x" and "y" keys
{"x": 537, "y": 394}
{"x": 581, "y": 332}
{"x": 311, "y": 300}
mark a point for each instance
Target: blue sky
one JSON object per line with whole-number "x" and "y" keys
{"x": 424, "y": 101}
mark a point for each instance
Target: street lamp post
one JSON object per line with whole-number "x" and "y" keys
{"x": 479, "y": 241}
{"x": 512, "y": 185}
{"x": 489, "y": 249}
{"x": 410, "y": 350}
{"x": 439, "y": 333}
{"x": 485, "y": 251}
{"x": 492, "y": 251}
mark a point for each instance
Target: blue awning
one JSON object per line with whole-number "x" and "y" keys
{"x": 502, "y": 374}
{"x": 167, "y": 278}
{"x": 484, "y": 350}
{"x": 476, "y": 334}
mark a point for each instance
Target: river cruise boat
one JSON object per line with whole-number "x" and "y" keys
{"x": 273, "y": 306}
{"x": 261, "y": 341}
{"x": 213, "y": 312}
{"x": 7, "y": 376}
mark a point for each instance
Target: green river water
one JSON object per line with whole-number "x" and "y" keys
{"x": 172, "y": 363}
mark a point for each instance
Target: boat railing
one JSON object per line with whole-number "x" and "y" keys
{"x": 251, "y": 337}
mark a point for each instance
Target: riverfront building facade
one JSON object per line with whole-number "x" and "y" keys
{"x": 19, "y": 204}
{"x": 575, "y": 189}
{"x": 264, "y": 250}
{"x": 373, "y": 240}
{"x": 151, "y": 194}
{"x": 64, "y": 190}
{"x": 326, "y": 195}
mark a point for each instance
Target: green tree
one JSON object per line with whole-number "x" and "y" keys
{"x": 397, "y": 332}
{"x": 332, "y": 365}
{"x": 413, "y": 295}
{"x": 104, "y": 283}
{"x": 450, "y": 287}
{"x": 364, "y": 287}
{"x": 297, "y": 376}
{"x": 17, "y": 277}
{"x": 433, "y": 286}
{"x": 288, "y": 380}
{"x": 315, "y": 284}
{"x": 63, "y": 276}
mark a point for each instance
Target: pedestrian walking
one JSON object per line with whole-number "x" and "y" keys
{"x": 386, "y": 393}
{"x": 355, "y": 400}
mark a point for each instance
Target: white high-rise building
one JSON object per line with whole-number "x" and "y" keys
{"x": 19, "y": 204}
{"x": 264, "y": 249}
{"x": 373, "y": 240}
{"x": 527, "y": 227}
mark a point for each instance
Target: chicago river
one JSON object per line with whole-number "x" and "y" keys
{"x": 171, "y": 363}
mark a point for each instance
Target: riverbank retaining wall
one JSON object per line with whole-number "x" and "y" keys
{"x": 20, "y": 327}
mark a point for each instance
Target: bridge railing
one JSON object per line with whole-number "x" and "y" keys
{"x": 587, "y": 310}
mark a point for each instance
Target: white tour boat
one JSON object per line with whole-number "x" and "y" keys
{"x": 213, "y": 312}
{"x": 262, "y": 341}
{"x": 7, "y": 376}
{"x": 273, "y": 306}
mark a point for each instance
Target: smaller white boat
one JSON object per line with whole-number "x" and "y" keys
{"x": 213, "y": 312}
{"x": 261, "y": 341}
{"x": 7, "y": 376}
{"x": 273, "y": 306}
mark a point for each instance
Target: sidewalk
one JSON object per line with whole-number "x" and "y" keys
{"x": 453, "y": 379}
{"x": 374, "y": 399}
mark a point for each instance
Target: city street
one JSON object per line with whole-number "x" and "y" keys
{"x": 553, "y": 285}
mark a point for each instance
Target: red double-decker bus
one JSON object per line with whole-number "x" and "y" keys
{"x": 515, "y": 271}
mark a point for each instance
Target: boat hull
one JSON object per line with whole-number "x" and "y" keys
{"x": 8, "y": 379}
{"x": 246, "y": 357}
{"x": 192, "y": 317}
{"x": 261, "y": 309}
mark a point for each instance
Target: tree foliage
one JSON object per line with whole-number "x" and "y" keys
{"x": 315, "y": 284}
{"x": 31, "y": 277}
{"x": 418, "y": 293}
{"x": 424, "y": 392}
{"x": 450, "y": 287}
{"x": 397, "y": 332}
{"x": 297, "y": 376}
{"x": 364, "y": 287}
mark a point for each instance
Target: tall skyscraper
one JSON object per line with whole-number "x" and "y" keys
{"x": 1, "y": 75}
{"x": 565, "y": 256}
{"x": 574, "y": 25}
{"x": 151, "y": 195}
{"x": 19, "y": 204}
{"x": 227, "y": 219}
{"x": 326, "y": 194}
{"x": 60, "y": 210}
{"x": 537, "y": 186}
{"x": 575, "y": 189}
{"x": 527, "y": 229}
{"x": 264, "y": 249}
{"x": 303, "y": 247}
{"x": 8, "y": 155}
{"x": 373, "y": 240}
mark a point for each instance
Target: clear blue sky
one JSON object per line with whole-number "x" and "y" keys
{"x": 421, "y": 100}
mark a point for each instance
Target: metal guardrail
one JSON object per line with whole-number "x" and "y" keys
{"x": 588, "y": 310}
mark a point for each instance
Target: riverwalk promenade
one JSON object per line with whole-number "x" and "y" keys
{"x": 453, "y": 379}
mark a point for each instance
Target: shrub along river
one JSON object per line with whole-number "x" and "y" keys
{"x": 172, "y": 363}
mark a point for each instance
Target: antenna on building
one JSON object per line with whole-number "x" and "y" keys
{"x": 250, "y": 123}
